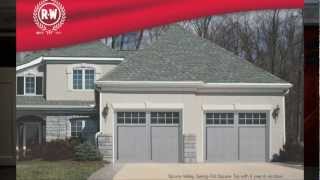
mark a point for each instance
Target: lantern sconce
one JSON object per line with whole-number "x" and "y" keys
{"x": 105, "y": 111}
{"x": 275, "y": 112}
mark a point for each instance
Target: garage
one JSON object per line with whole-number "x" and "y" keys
{"x": 236, "y": 136}
{"x": 148, "y": 136}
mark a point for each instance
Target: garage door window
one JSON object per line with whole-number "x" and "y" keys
{"x": 220, "y": 118}
{"x": 164, "y": 118}
{"x": 131, "y": 117}
{"x": 252, "y": 118}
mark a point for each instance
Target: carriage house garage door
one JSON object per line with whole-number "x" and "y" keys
{"x": 148, "y": 136}
{"x": 234, "y": 136}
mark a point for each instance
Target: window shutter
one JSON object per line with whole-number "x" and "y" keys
{"x": 39, "y": 86}
{"x": 20, "y": 85}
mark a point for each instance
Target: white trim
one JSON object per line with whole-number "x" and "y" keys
{"x": 284, "y": 119}
{"x": 193, "y": 86}
{"x": 236, "y": 107}
{"x": 53, "y": 106}
{"x": 217, "y": 107}
{"x": 25, "y": 85}
{"x": 29, "y": 64}
{"x": 83, "y": 78}
{"x": 147, "y": 106}
{"x": 83, "y": 58}
{"x": 164, "y": 106}
{"x": 253, "y": 107}
{"x": 40, "y": 59}
{"x": 129, "y": 106}
{"x": 100, "y": 113}
{"x": 113, "y": 117}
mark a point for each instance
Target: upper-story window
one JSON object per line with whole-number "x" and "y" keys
{"x": 29, "y": 85}
{"x": 83, "y": 78}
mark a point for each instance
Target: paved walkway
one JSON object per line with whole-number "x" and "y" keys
{"x": 199, "y": 171}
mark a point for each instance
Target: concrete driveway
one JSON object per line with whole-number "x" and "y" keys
{"x": 199, "y": 171}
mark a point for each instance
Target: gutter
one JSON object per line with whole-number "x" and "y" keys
{"x": 43, "y": 58}
{"x": 191, "y": 86}
{"x": 39, "y": 107}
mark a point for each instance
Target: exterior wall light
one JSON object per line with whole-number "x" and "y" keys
{"x": 105, "y": 111}
{"x": 275, "y": 112}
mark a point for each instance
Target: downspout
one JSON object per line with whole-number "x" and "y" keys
{"x": 100, "y": 117}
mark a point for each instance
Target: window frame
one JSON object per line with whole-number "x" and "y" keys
{"x": 124, "y": 123}
{"x": 25, "y": 85}
{"x": 252, "y": 118}
{"x": 83, "y": 78}
{"x": 219, "y": 118}
{"x": 34, "y": 85}
{"x": 76, "y": 121}
{"x": 165, "y": 113}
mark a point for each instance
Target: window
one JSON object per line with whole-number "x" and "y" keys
{"x": 83, "y": 78}
{"x": 77, "y": 79}
{"x": 76, "y": 127}
{"x": 252, "y": 118}
{"x": 220, "y": 118}
{"x": 29, "y": 85}
{"x": 164, "y": 117}
{"x": 131, "y": 117}
{"x": 89, "y": 78}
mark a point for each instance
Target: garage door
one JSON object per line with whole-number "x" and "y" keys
{"x": 148, "y": 136}
{"x": 236, "y": 136}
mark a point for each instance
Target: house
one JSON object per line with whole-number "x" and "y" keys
{"x": 181, "y": 99}
{"x": 185, "y": 99}
{"x": 55, "y": 95}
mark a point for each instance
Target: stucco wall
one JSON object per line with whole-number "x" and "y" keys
{"x": 59, "y": 82}
{"x": 193, "y": 114}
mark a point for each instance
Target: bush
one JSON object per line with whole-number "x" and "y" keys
{"x": 292, "y": 151}
{"x": 57, "y": 150}
{"x": 87, "y": 152}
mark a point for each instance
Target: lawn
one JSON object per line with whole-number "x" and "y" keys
{"x": 56, "y": 170}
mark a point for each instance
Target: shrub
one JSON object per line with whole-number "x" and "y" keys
{"x": 292, "y": 151}
{"x": 57, "y": 150}
{"x": 87, "y": 152}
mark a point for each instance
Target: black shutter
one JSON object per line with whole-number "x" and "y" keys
{"x": 20, "y": 85}
{"x": 39, "y": 85}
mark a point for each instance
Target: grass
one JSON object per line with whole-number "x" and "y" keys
{"x": 56, "y": 170}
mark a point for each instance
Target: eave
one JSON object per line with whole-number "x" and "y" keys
{"x": 191, "y": 87}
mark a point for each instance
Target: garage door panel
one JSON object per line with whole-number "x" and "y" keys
{"x": 252, "y": 146}
{"x": 132, "y": 145}
{"x": 165, "y": 144}
{"x": 221, "y": 144}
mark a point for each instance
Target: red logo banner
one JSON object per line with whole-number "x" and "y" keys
{"x": 56, "y": 23}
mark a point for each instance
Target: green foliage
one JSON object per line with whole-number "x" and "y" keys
{"x": 87, "y": 152}
{"x": 56, "y": 170}
{"x": 292, "y": 152}
{"x": 57, "y": 150}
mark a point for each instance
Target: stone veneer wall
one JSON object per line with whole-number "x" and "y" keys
{"x": 104, "y": 143}
{"x": 189, "y": 148}
{"x": 59, "y": 127}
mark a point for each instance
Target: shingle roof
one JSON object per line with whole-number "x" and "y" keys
{"x": 39, "y": 100}
{"x": 92, "y": 49}
{"x": 180, "y": 55}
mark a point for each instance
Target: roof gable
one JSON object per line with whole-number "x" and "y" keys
{"x": 92, "y": 49}
{"x": 180, "y": 55}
